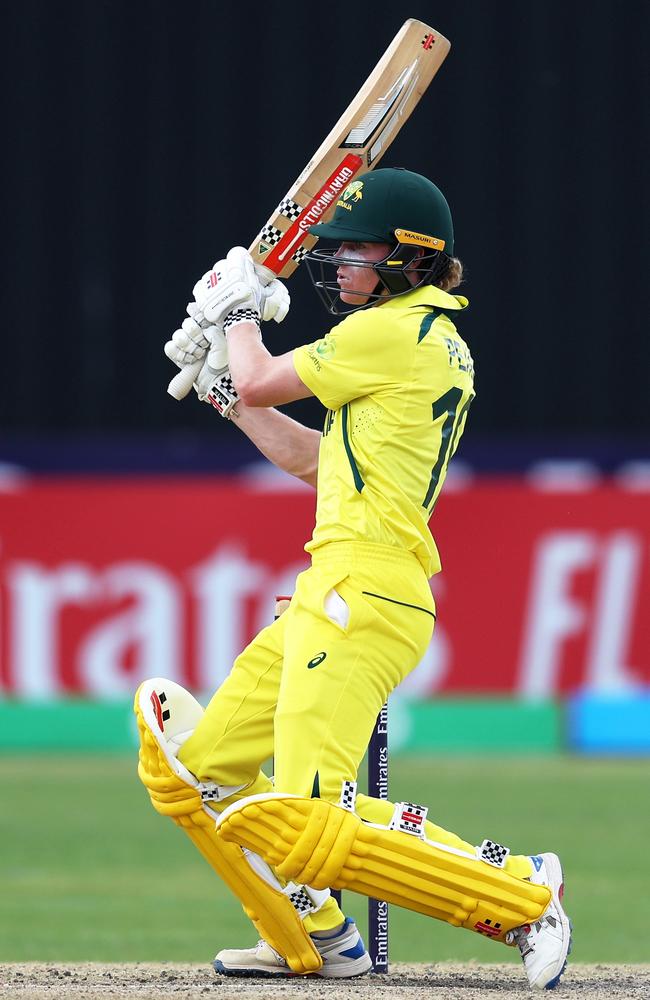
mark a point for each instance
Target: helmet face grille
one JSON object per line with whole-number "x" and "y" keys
{"x": 400, "y": 272}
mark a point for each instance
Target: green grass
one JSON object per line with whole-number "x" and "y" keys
{"x": 88, "y": 871}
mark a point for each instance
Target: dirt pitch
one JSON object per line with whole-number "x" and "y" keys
{"x": 48, "y": 981}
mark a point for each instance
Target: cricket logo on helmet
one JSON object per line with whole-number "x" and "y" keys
{"x": 398, "y": 208}
{"x": 354, "y": 192}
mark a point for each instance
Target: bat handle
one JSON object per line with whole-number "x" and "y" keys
{"x": 183, "y": 381}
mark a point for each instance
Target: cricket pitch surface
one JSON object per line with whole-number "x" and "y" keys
{"x": 442, "y": 981}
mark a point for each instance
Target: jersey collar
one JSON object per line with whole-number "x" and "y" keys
{"x": 428, "y": 295}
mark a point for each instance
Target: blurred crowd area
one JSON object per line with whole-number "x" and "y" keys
{"x": 145, "y": 140}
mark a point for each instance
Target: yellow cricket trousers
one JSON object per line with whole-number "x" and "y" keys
{"x": 309, "y": 687}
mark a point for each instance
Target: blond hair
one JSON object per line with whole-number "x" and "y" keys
{"x": 451, "y": 275}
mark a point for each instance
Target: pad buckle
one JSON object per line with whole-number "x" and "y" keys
{"x": 492, "y": 853}
{"x": 409, "y": 818}
{"x": 348, "y": 797}
{"x": 210, "y": 791}
{"x": 300, "y": 901}
{"x": 305, "y": 899}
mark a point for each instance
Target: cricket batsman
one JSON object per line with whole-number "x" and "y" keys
{"x": 397, "y": 382}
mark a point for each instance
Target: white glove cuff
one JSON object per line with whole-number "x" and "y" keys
{"x": 222, "y": 394}
{"x": 241, "y": 316}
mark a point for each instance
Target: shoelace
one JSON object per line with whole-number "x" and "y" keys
{"x": 522, "y": 936}
{"x": 271, "y": 949}
{"x": 512, "y": 937}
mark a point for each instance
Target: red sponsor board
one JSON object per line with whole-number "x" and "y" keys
{"x": 104, "y": 582}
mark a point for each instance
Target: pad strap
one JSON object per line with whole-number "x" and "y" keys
{"x": 303, "y": 898}
{"x": 409, "y": 818}
{"x": 348, "y": 799}
{"x": 266, "y": 902}
{"x": 315, "y": 842}
{"x": 494, "y": 854}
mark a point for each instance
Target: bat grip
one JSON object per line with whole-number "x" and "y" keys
{"x": 183, "y": 381}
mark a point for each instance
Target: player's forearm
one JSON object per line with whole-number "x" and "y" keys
{"x": 261, "y": 379}
{"x": 291, "y": 446}
{"x": 248, "y": 360}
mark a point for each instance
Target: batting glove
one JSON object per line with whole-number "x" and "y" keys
{"x": 233, "y": 283}
{"x": 214, "y": 384}
{"x": 189, "y": 343}
{"x": 275, "y": 301}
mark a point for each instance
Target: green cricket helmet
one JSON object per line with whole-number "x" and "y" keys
{"x": 393, "y": 206}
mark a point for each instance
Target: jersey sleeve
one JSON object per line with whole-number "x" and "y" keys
{"x": 357, "y": 357}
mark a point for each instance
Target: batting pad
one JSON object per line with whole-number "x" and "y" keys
{"x": 312, "y": 841}
{"x": 165, "y": 713}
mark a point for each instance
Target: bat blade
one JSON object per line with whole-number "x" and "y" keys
{"x": 355, "y": 145}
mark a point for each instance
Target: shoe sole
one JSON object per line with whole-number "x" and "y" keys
{"x": 553, "y": 983}
{"x": 556, "y": 874}
{"x": 243, "y": 973}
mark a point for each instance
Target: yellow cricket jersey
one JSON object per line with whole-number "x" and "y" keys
{"x": 398, "y": 381}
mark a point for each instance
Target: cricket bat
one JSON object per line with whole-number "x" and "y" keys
{"x": 355, "y": 145}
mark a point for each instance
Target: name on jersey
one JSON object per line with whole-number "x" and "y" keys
{"x": 459, "y": 356}
{"x": 313, "y": 357}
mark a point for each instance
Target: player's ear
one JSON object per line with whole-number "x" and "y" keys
{"x": 418, "y": 252}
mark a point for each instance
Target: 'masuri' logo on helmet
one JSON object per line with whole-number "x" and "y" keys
{"x": 316, "y": 660}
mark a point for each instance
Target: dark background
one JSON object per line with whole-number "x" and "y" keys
{"x": 143, "y": 139}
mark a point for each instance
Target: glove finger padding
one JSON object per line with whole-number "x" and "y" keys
{"x": 218, "y": 349}
{"x": 178, "y": 355}
{"x": 194, "y": 332}
{"x": 193, "y": 310}
{"x": 190, "y": 343}
{"x": 242, "y": 263}
{"x": 184, "y": 350}
{"x": 231, "y": 283}
{"x": 275, "y": 301}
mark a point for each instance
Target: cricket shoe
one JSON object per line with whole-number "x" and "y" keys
{"x": 344, "y": 956}
{"x": 545, "y": 945}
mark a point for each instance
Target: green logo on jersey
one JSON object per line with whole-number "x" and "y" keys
{"x": 325, "y": 347}
{"x": 316, "y": 660}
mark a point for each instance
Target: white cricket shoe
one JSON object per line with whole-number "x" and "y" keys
{"x": 545, "y": 945}
{"x": 344, "y": 956}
